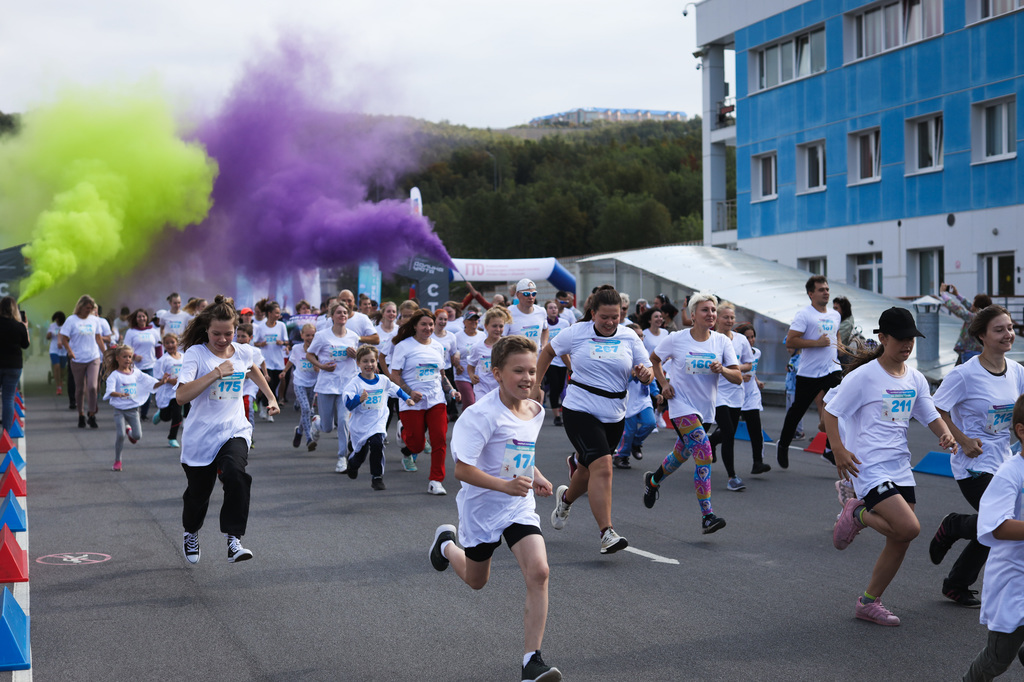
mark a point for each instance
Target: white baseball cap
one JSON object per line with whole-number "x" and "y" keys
{"x": 525, "y": 284}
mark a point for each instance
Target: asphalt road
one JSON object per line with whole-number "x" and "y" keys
{"x": 341, "y": 589}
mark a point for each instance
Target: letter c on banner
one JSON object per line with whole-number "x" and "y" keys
{"x": 4, "y": 290}
{"x": 432, "y": 290}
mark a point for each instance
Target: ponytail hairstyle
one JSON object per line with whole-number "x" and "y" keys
{"x": 261, "y": 306}
{"x": 408, "y": 329}
{"x": 193, "y": 305}
{"x": 743, "y": 328}
{"x": 110, "y": 358}
{"x": 222, "y": 310}
{"x": 174, "y": 294}
{"x": 858, "y": 358}
{"x": 604, "y": 295}
{"x": 699, "y": 298}
{"x": 979, "y": 325}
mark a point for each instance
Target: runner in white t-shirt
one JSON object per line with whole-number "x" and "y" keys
{"x": 175, "y": 320}
{"x": 333, "y": 353}
{"x": 494, "y": 446}
{"x": 451, "y": 351}
{"x": 58, "y": 354}
{"x": 215, "y": 439}
{"x": 528, "y": 320}
{"x": 698, "y": 355}
{"x": 478, "y": 364}
{"x": 166, "y": 372}
{"x": 814, "y": 333}
{"x": 656, "y": 333}
{"x": 752, "y": 405}
{"x": 976, "y": 402}
{"x": 465, "y": 340}
{"x": 604, "y": 356}
{"x": 417, "y": 366}
{"x": 271, "y": 338}
{"x": 729, "y": 402}
{"x": 357, "y": 321}
{"x": 557, "y": 373}
{"x": 144, "y": 338}
{"x": 1001, "y": 527}
{"x": 386, "y": 331}
{"x": 876, "y": 400}
{"x": 127, "y": 388}
{"x": 80, "y": 335}
{"x": 303, "y": 382}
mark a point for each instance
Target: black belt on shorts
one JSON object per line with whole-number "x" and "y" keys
{"x": 599, "y": 391}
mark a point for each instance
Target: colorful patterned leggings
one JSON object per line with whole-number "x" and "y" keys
{"x": 692, "y": 441}
{"x": 304, "y": 398}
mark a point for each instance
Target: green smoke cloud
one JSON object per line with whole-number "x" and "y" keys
{"x": 94, "y": 178}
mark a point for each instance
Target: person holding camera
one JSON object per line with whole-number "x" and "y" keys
{"x": 14, "y": 338}
{"x": 966, "y": 346}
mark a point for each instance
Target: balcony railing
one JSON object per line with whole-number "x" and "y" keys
{"x": 725, "y": 216}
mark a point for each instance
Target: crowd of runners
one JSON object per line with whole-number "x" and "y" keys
{"x": 610, "y": 374}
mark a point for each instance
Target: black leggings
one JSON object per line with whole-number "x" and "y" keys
{"x": 965, "y": 527}
{"x": 556, "y": 384}
{"x": 172, "y": 413}
{"x": 727, "y": 418}
{"x": 275, "y": 379}
{"x": 374, "y": 448}
{"x": 753, "y": 420}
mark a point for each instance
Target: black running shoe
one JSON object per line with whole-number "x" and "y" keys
{"x": 377, "y": 483}
{"x": 536, "y": 670}
{"x": 783, "y": 454}
{"x": 236, "y": 552}
{"x": 442, "y": 534}
{"x": 81, "y": 421}
{"x": 558, "y": 420}
{"x": 943, "y": 540}
{"x": 638, "y": 452}
{"x": 650, "y": 490}
{"x": 710, "y": 523}
{"x": 828, "y": 457}
{"x": 964, "y": 597}
{"x": 92, "y": 422}
{"x": 761, "y": 468}
{"x": 297, "y": 438}
{"x": 621, "y": 462}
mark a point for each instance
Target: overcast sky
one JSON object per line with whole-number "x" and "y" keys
{"x": 479, "y": 63}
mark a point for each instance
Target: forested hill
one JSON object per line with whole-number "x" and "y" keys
{"x": 611, "y": 187}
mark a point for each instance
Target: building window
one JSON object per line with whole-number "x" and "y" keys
{"x": 924, "y": 144}
{"x": 994, "y": 130}
{"x": 979, "y": 10}
{"x": 794, "y": 58}
{"x": 864, "y": 164}
{"x": 999, "y": 273}
{"x": 810, "y": 159}
{"x": 930, "y": 266}
{"x": 764, "y": 177}
{"x": 889, "y": 25}
{"x": 868, "y": 271}
{"x": 816, "y": 266}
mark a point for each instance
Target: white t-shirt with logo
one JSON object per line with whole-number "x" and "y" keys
{"x": 137, "y": 384}
{"x": 82, "y": 337}
{"x": 877, "y": 408}
{"x": 273, "y": 354}
{"x": 166, "y": 364}
{"x": 1002, "y": 596}
{"x": 371, "y": 415}
{"x": 493, "y": 439}
{"x": 602, "y": 362}
{"x": 217, "y": 414}
{"x": 360, "y": 324}
{"x": 981, "y": 405}
{"x": 695, "y": 386}
{"x": 817, "y": 362}
{"x": 421, "y": 366}
{"x": 250, "y": 389}
{"x": 464, "y": 343}
{"x": 751, "y": 393}
{"x": 450, "y": 345}
{"x": 305, "y": 373}
{"x": 730, "y": 394}
{"x": 531, "y": 325}
{"x": 55, "y": 347}
{"x": 651, "y": 340}
{"x": 143, "y": 343}
{"x": 327, "y": 347}
{"x": 174, "y": 323}
{"x": 553, "y": 331}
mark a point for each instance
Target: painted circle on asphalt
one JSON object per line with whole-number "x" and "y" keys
{"x": 73, "y": 559}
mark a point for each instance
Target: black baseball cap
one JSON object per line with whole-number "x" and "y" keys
{"x": 898, "y": 323}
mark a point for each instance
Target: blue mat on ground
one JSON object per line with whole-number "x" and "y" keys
{"x": 743, "y": 434}
{"x": 936, "y": 463}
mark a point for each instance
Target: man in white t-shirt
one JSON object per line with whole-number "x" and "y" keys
{"x": 528, "y": 320}
{"x": 566, "y": 309}
{"x": 814, "y": 333}
{"x": 357, "y": 321}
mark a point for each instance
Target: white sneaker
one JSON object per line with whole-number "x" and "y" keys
{"x": 561, "y": 513}
{"x": 612, "y": 542}
{"x": 427, "y": 449}
{"x": 236, "y": 552}
{"x": 316, "y": 428}
{"x": 270, "y": 417}
{"x": 435, "y": 488}
{"x": 342, "y": 465}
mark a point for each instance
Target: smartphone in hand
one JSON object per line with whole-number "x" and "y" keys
{"x": 23, "y": 318}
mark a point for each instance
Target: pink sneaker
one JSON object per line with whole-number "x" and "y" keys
{"x": 131, "y": 438}
{"x": 844, "y": 489}
{"x": 847, "y": 525}
{"x": 116, "y": 467}
{"x": 875, "y": 613}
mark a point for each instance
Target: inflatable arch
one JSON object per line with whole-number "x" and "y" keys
{"x": 512, "y": 270}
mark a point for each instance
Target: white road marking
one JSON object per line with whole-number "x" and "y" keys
{"x": 653, "y": 557}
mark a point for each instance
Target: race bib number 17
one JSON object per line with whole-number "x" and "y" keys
{"x": 518, "y": 460}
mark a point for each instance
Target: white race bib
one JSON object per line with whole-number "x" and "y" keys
{"x": 604, "y": 349}
{"x": 131, "y": 389}
{"x": 518, "y": 461}
{"x": 375, "y": 399}
{"x": 553, "y": 332}
{"x": 897, "y": 406}
{"x": 306, "y": 366}
{"x": 228, "y": 388}
{"x": 271, "y": 339}
{"x": 700, "y": 363}
{"x": 827, "y": 326}
{"x": 175, "y": 370}
{"x": 999, "y": 418}
{"x": 427, "y": 372}
{"x": 532, "y": 332}
{"x": 339, "y": 353}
